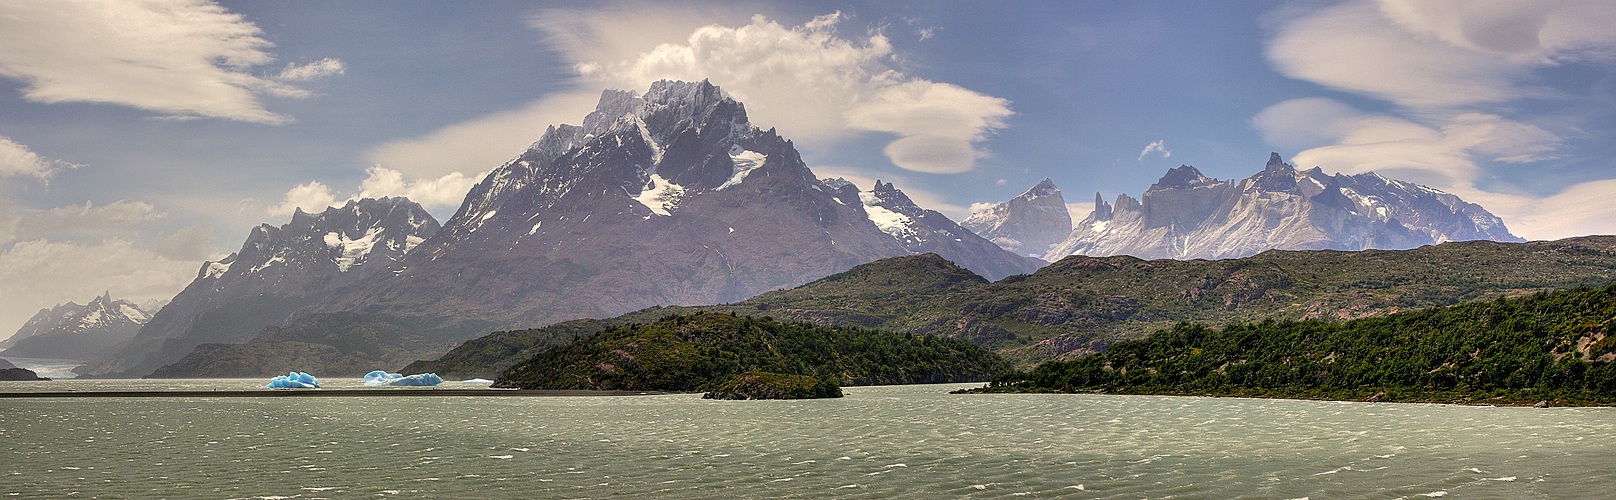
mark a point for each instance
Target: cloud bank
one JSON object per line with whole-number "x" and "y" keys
{"x": 177, "y": 58}
{"x": 1461, "y": 77}
{"x": 808, "y": 81}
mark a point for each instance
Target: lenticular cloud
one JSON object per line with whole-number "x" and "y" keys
{"x": 382, "y": 378}
{"x": 294, "y": 380}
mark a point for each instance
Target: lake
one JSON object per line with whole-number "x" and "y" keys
{"x": 878, "y": 442}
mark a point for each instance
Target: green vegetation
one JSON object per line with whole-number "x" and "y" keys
{"x": 1556, "y": 347}
{"x": 489, "y": 355}
{"x": 699, "y": 352}
{"x": 1081, "y": 305}
{"x": 766, "y": 385}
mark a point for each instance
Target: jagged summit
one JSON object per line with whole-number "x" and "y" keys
{"x": 73, "y": 331}
{"x": 666, "y": 197}
{"x": 1029, "y": 224}
{"x": 1187, "y": 215}
{"x": 277, "y": 270}
{"x": 1182, "y": 177}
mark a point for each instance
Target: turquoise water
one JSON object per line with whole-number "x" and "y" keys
{"x": 878, "y": 442}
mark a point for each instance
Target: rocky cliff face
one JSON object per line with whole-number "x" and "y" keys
{"x": 72, "y": 331}
{"x": 1187, "y": 215}
{"x": 277, "y": 271}
{"x": 1030, "y": 224}
{"x": 667, "y": 197}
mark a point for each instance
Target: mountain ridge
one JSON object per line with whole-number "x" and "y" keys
{"x": 1186, "y": 215}
{"x": 670, "y": 197}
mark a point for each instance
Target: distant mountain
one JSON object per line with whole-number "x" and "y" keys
{"x": 667, "y": 197}
{"x": 1030, "y": 224}
{"x": 277, "y": 271}
{"x": 72, "y": 331}
{"x": 1081, "y": 305}
{"x": 1187, "y": 215}
{"x": 928, "y": 231}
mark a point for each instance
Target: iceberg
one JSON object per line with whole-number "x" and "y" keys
{"x": 382, "y": 378}
{"x": 294, "y": 380}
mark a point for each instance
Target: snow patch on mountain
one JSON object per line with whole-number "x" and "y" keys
{"x": 745, "y": 162}
{"x": 661, "y": 195}
{"x": 898, "y": 225}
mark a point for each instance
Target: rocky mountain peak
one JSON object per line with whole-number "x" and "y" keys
{"x": 277, "y": 270}
{"x": 73, "y": 331}
{"x": 1277, "y": 163}
{"x": 1102, "y": 210}
{"x": 1028, "y": 224}
{"x": 1277, "y": 208}
{"x": 1182, "y": 177}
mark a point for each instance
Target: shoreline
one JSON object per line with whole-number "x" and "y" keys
{"x": 273, "y": 393}
{"x": 1424, "y": 398}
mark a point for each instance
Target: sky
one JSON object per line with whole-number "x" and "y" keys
{"x": 141, "y": 138}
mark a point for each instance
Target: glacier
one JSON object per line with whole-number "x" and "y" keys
{"x": 294, "y": 380}
{"x": 382, "y": 378}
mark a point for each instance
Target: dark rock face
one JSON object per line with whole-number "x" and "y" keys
{"x": 669, "y": 197}
{"x": 19, "y": 375}
{"x": 277, "y": 271}
{"x": 72, "y": 331}
{"x": 1187, "y": 215}
{"x": 1030, "y": 224}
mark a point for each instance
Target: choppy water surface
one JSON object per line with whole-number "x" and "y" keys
{"x": 878, "y": 442}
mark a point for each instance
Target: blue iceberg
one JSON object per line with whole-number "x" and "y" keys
{"x": 382, "y": 378}
{"x": 294, "y": 380}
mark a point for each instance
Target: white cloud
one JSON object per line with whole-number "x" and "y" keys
{"x": 807, "y": 81}
{"x": 37, "y": 274}
{"x": 481, "y": 144}
{"x": 1079, "y": 211}
{"x": 17, "y": 159}
{"x": 1581, "y": 209}
{"x": 311, "y": 197}
{"x": 1450, "y": 67}
{"x": 1159, "y": 146}
{"x": 447, "y": 191}
{"x": 1337, "y": 137}
{"x": 177, "y": 58}
{"x": 1424, "y": 54}
{"x": 87, "y": 221}
{"x": 312, "y": 71}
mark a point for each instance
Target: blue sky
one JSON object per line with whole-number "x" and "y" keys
{"x": 139, "y": 138}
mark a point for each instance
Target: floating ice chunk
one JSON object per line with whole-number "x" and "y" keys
{"x": 477, "y": 381}
{"x": 418, "y": 380}
{"x": 294, "y": 380}
{"x": 382, "y": 378}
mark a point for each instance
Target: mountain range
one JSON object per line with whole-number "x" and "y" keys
{"x": 670, "y": 197}
{"x": 73, "y": 331}
{"x": 277, "y": 271}
{"x": 673, "y": 198}
{"x": 1187, "y": 215}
